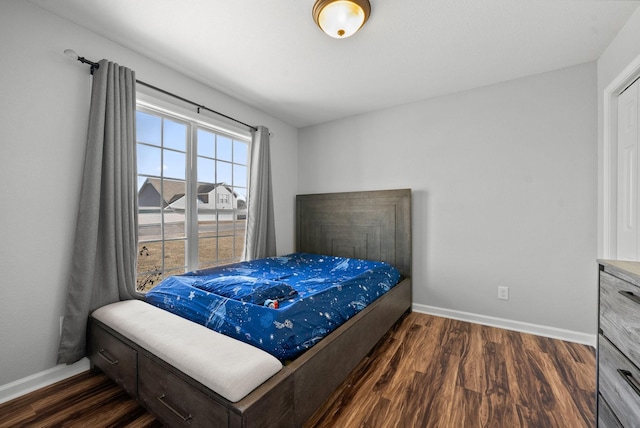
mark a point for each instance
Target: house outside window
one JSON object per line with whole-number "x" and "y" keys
{"x": 192, "y": 192}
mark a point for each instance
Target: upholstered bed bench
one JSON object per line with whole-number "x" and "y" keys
{"x": 226, "y": 366}
{"x": 152, "y": 339}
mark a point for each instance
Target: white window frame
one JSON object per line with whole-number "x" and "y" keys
{"x": 194, "y": 121}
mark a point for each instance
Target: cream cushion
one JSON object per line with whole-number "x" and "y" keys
{"x": 226, "y": 366}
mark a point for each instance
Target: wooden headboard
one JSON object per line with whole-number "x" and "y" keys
{"x": 374, "y": 225}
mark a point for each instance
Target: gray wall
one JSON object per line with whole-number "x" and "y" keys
{"x": 43, "y": 121}
{"x": 504, "y": 184}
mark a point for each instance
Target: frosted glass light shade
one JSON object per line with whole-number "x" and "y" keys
{"x": 341, "y": 18}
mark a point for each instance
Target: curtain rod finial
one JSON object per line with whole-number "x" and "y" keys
{"x": 71, "y": 53}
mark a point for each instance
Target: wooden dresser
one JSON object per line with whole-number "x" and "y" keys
{"x": 619, "y": 344}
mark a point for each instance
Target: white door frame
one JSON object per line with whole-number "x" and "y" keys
{"x": 610, "y": 155}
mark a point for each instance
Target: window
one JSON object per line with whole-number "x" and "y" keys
{"x": 192, "y": 192}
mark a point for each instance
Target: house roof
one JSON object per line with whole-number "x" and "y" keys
{"x": 168, "y": 191}
{"x": 172, "y": 190}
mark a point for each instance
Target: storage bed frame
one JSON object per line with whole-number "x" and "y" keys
{"x": 373, "y": 225}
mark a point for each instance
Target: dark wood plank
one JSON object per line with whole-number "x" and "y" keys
{"x": 441, "y": 372}
{"x": 85, "y": 400}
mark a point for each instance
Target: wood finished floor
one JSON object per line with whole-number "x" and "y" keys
{"x": 427, "y": 372}
{"x": 439, "y": 372}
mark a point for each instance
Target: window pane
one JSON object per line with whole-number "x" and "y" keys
{"x": 148, "y": 128}
{"x": 239, "y": 229}
{"x": 174, "y": 192}
{"x": 224, "y": 201}
{"x": 206, "y": 198}
{"x": 175, "y": 135}
{"x": 163, "y": 228}
{"x": 174, "y": 165}
{"x": 148, "y": 160}
{"x": 239, "y": 175}
{"x": 149, "y": 224}
{"x": 207, "y": 252}
{"x": 226, "y": 248}
{"x": 224, "y": 172}
{"x": 149, "y": 265}
{"x": 239, "y": 239}
{"x": 206, "y": 143}
{"x": 150, "y": 199}
{"x": 141, "y": 181}
{"x": 207, "y": 225}
{"x": 206, "y": 171}
{"x": 224, "y": 148}
{"x": 238, "y": 253}
{"x": 174, "y": 222}
{"x": 240, "y": 152}
{"x": 242, "y": 201}
{"x": 149, "y": 256}
{"x": 241, "y": 192}
{"x": 174, "y": 257}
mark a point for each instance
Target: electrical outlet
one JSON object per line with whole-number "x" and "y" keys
{"x": 503, "y": 293}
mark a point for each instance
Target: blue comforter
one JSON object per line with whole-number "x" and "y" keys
{"x": 314, "y": 294}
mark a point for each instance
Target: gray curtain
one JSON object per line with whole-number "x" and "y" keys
{"x": 260, "y": 238}
{"x": 104, "y": 255}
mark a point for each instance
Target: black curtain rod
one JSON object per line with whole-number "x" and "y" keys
{"x": 199, "y": 106}
{"x": 95, "y": 66}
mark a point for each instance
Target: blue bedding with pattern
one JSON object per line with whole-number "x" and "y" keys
{"x": 315, "y": 294}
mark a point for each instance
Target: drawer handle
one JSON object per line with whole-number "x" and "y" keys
{"x": 628, "y": 377}
{"x": 168, "y": 406}
{"x": 629, "y": 295}
{"x": 104, "y": 355}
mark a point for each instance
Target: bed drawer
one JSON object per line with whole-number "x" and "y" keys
{"x": 175, "y": 402}
{"x": 619, "y": 383}
{"x": 116, "y": 359}
{"x": 620, "y": 315}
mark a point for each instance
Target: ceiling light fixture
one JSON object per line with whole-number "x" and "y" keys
{"x": 341, "y": 18}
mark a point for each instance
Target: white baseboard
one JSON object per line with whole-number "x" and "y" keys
{"x": 538, "y": 330}
{"x": 39, "y": 380}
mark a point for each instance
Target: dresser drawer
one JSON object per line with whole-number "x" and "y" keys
{"x": 620, "y": 315}
{"x": 116, "y": 359}
{"x": 606, "y": 417}
{"x": 175, "y": 402}
{"x": 619, "y": 383}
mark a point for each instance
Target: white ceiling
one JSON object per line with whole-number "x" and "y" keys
{"x": 270, "y": 53}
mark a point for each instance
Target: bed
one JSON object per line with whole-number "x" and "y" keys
{"x": 373, "y": 226}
